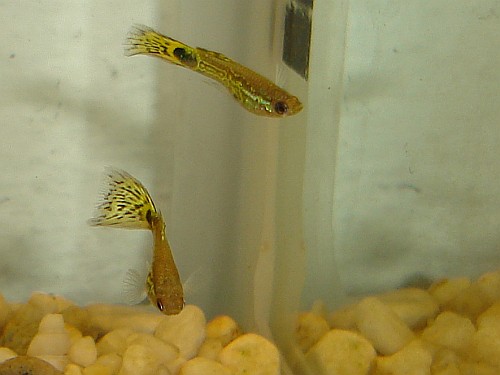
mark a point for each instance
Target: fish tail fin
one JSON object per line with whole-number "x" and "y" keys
{"x": 143, "y": 40}
{"x": 125, "y": 203}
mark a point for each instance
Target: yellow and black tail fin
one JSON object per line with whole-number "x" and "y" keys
{"x": 125, "y": 203}
{"x": 143, "y": 40}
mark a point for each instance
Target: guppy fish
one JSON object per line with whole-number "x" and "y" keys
{"x": 128, "y": 204}
{"x": 254, "y": 92}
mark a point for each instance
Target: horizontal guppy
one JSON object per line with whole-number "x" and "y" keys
{"x": 254, "y": 92}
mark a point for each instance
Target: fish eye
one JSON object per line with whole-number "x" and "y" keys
{"x": 159, "y": 304}
{"x": 280, "y": 107}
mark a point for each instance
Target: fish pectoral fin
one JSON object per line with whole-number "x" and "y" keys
{"x": 134, "y": 287}
{"x": 198, "y": 283}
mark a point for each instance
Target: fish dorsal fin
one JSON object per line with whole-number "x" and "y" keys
{"x": 134, "y": 287}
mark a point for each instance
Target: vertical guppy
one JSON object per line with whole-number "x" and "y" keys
{"x": 127, "y": 204}
{"x": 254, "y": 92}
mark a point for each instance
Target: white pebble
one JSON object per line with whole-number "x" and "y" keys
{"x": 490, "y": 319}
{"x": 447, "y": 289}
{"x": 114, "y": 341}
{"x": 381, "y": 326}
{"x": 72, "y": 369}
{"x": 223, "y": 328}
{"x": 414, "y": 358}
{"x": 167, "y": 352}
{"x": 186, "y": 330}
{"x": 6, "y": 353}
{"x": 341, "y": 352}
{"x": 210, "y": 349}
{"x": 4, "y": 311}
{"x": 444, "y": 361}
{"x": 475, "y": 368}
{"x": 413, "y": 306}
{"x": 49, "y": 344}
{"x": 83, "y": 352}
{"x": 471, "y": 302}
{"x": 44, "y": 303}
{"x": 52, "y": 323}
{"x": 251, "y": 354}
{"x": 450, "y": 330}
{"x": 310, "y": 328}
{"x": 57, "y": 361}
{"x": 74, "y": 333}
{"x": 175, "y": 365}
{"x": 111, "y": 317}
{"x": 485, "y": 346}
{"x": 140, "y": 360}
{"x": 489, "y": 284}
{"x": 344, "y": 317}
{"x": 198, "y": 365}
{"x": 62, "y": 303}
{"x": 112, "y": 361}
{"x": 162, "y": 370}
{"x": 98, "y": 369}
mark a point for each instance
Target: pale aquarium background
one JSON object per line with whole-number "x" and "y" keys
{"x": 388, "y": 177}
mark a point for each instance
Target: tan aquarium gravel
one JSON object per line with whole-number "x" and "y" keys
{"x": 51, "y": 335}
{"x": 451, "y": 328}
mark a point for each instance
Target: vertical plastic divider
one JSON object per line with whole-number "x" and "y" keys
{"x": 325, "y": 100}
{"x": 168, "y": 109}
{"x": 305, "y": 268}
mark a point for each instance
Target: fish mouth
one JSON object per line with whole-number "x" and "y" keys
{"x": 295, "y": 106}
{"x": 298, "y": 108}
{"x": 173, "y": 311}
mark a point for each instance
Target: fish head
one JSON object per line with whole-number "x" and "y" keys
{"x": 167, "y": 297}
{"x": 170, "y": 306}
{"x": 285, "y": 106}
{"x": 274, "y": 102}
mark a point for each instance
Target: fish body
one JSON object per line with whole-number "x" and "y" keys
{"x": 128, "y": 204}
{"x": 254, "y": 92}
